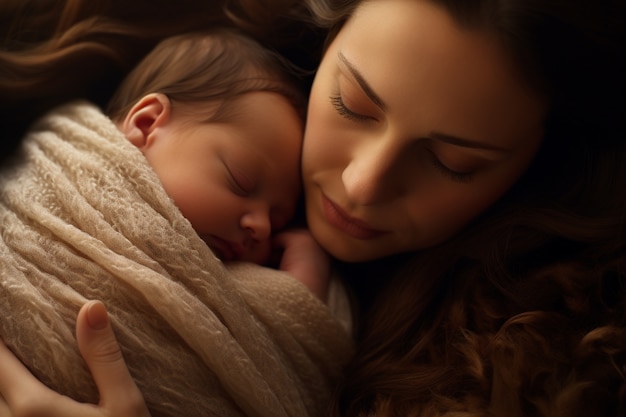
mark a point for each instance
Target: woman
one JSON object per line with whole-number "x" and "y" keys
{"x": 486, "y": 140}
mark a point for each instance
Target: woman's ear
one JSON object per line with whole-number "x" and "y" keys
{"x": 150, "y": 112}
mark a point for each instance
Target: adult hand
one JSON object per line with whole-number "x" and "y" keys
{"x": 25, "y": 396}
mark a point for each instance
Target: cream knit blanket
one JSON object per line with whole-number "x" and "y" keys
{"x": 83, "y": 216}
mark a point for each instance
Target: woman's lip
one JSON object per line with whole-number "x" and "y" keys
{"x": 349, "y": 225}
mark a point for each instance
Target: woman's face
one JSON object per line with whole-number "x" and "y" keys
{"x": 415, "y": 126}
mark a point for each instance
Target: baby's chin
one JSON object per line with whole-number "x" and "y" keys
{"x": 258, "y": 253}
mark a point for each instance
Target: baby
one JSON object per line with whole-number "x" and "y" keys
{"x": 195, "y": 162}
{"x": 219, "y": 118}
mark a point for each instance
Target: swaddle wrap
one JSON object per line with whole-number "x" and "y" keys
{"x": 83, "y": 216}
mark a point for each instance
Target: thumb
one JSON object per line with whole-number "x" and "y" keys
{"x": 101, "y": 351}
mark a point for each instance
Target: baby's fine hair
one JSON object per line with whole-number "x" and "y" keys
{"x": 213, "y": 66}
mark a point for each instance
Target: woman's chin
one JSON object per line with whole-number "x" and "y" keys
{"x": 348, "y": 249}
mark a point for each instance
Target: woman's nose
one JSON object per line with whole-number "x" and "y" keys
{"x": 375, "y": 173}
{"x": 257, "y": 223}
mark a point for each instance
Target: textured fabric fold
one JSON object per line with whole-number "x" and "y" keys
{"x": 83, "y": 216}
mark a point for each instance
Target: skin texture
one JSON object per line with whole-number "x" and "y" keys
{"x": 390, "y": 171}
{"x": 237, "y": 180}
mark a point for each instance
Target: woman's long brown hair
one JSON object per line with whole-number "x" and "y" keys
{"x": 52, "y": 51}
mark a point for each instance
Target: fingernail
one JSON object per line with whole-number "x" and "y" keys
{"x": 97, "y": 316}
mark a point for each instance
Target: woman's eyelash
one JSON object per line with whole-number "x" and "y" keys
{"x": 344, "y": 111}
{"x": 453, "y": 175}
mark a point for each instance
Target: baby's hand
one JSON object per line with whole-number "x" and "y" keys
{"x": 305, "y": 260}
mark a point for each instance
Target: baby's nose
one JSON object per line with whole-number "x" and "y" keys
{"x": 257, "y": 224}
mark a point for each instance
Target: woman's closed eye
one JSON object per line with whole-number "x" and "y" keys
{"x": 447, "y": 171}
{"x": 345, "y": 111}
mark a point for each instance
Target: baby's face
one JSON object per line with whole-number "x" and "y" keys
{"x": 236, "y": 182}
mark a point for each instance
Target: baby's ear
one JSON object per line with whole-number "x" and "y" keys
{"x": 150, "y": 112}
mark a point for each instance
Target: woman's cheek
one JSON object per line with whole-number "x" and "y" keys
{"x": 318, "y": 136}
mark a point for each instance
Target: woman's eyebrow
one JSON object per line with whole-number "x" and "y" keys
{"x": 367, "y": 89}
{"x": 466, "y": 143}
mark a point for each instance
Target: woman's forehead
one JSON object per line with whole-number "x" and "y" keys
{"x": 415, "y": 57}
